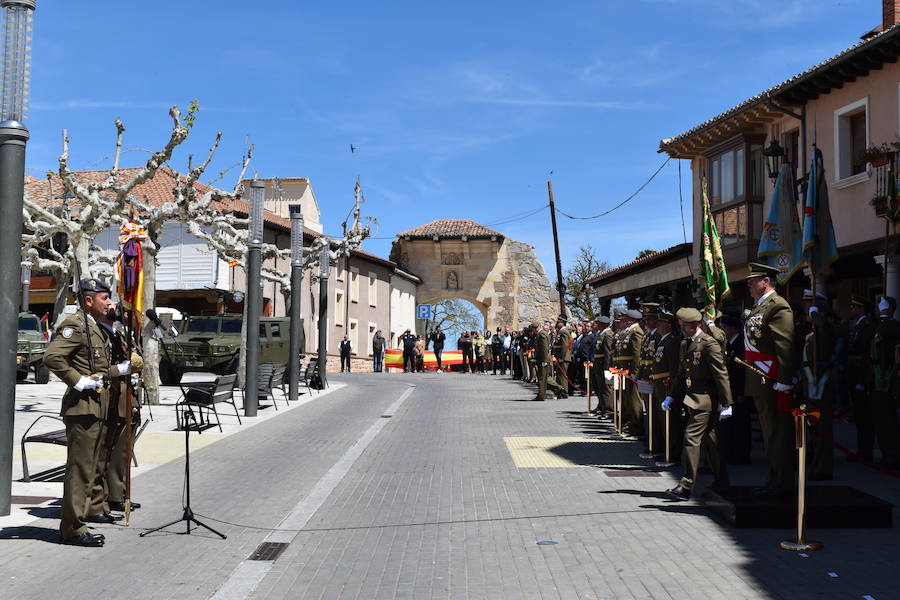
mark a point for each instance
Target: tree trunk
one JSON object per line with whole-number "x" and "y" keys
{"x": 81, "y": 246}
{"x": 62, "y": 295}
{"x": 151, "y": 344}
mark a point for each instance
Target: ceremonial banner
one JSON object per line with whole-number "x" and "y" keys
{"x": 393, "y": 359}
{"x": 712, "y": 264}
{"x": 130, "y": 268}
{"x": 781, "y": 243}
{"x": 819, "y": 246}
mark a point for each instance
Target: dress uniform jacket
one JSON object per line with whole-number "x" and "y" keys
{"x": 68, "y": 357}
{"x": 648, "y": 354}
{"x": 562, "y": 345}
{"x": 819, "y": 358}
{"x": 603, "y": 351}
{"x": 768, "y": 344}
{"x": 663, "y": 371}
{"x": 543, "y": 358}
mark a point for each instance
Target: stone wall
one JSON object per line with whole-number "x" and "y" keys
{"x": 502, "y": 277}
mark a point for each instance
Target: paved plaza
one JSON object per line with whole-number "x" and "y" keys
{"x": 425, "y": 486}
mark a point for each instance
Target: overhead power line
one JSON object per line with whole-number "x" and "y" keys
{"x": 623, "y": 202}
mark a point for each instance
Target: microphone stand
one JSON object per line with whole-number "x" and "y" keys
{"x": 188, "y": 515}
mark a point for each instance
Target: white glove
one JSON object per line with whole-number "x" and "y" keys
{"x": 608, "y": 376}
{"x": 813, "y": 309}
{"x": 725, "y": 413}
{"x": 883, "y": 304}
{"x": 860, "y": 387}
{"x": 667, "y": 403}
{"x": 124, "y": 367}
{"x": 782, "y": 387}
{"x": 88, "y": 383}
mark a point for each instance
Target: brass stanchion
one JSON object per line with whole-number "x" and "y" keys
{"x": 587, "y": 379}
{"x": 801, "y": 545}
{"x": 649, "y": 452}
{"x": 621, "y": 382}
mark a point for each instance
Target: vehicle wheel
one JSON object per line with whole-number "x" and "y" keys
{"x": 21, "y": 376}
{"x": 41, "y": 374}
{"x": 231, "y": 366}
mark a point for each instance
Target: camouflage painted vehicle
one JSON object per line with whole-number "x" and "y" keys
{"x": 213, "y": 344}
{"x": 30, "y": 349}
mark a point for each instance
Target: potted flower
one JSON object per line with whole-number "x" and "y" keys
{"x": 878, "y": 156}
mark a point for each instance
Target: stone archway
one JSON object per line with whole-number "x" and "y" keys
{"x": 458, "y": 258}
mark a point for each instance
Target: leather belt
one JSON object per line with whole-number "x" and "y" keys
{"x": 629, "y": 357}
{"x": 660, "y": 375}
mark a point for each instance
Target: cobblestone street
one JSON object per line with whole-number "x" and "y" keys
{"x": 442, "y": 490}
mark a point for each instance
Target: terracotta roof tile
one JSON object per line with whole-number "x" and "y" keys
{"x": 155, "y": 192}
{"x": 639, "y": 261}
{"x": 450, "y": 228}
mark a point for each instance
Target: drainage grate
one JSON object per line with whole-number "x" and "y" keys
{"x": 268, "y": 551}
{"x": 627, "y": 473}
{"x": 386, "y": 416}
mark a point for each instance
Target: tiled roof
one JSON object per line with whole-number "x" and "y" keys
{"x": 795, "y": 83}
{"x": 155, "y": 192}
{"x": 643, "y": 261}
{"x": 450, "y": 228}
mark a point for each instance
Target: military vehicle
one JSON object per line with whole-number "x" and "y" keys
{"x": 30, "y": 349}
{"x": 213, "y": 344}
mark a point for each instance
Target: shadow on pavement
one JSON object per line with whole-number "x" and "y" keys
{"x": 28, "y": 532}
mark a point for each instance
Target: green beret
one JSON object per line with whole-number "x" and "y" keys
{"x": 689, "y": 315}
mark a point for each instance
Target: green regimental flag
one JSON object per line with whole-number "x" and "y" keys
{"x": 713, "y": 276}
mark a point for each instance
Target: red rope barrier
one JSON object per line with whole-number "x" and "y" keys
{"x": 854, "y": 455}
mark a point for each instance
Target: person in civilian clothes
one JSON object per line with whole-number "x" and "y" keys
{"x": 464, "y": 344}
{"x": 379, "y": 345}
{"x": 346, "y": 349}
{"x": 407, "y": 342}
{"x": 438, "y": 338}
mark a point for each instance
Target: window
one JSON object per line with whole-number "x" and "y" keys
{"x": 276, "y": 331}
{"x": 851, "y": 132}
{"x": 373, "y": 290}
{"x": 727, "y": 177}
{"x": 338, "y": 306}
{"x": 372, "y": 329}
{"x": 731, "y": 224}
{"x": 354, "y": 336}
{"x": 354, "y": 284}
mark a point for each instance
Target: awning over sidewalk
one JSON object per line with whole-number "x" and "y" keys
{"x": 666, "y": 268}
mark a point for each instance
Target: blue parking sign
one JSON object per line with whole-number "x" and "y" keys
{"x": 423, "y": 311}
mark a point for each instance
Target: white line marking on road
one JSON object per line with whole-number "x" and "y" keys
{"x": 248, "y": 574}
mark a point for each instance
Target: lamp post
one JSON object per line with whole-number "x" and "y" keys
{"x": 16, "y": 66}
{"x": 254, "y": 266}
{"x": 324, "y": 259}
{"x": 774, "y": 154}
{"x": 296, "y": 213}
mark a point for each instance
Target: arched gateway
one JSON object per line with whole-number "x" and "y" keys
{"x": 458, "y": 258}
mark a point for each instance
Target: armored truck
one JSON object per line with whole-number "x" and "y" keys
{"x": 213, "y": 344}
{"x": 30, "y": 348}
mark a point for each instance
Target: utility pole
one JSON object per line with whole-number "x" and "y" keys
{"x": 324, "y": 266}
{"x": 254, "y": 299}
{"x": 296, "y": 213}
{"x": 560, "y": 284}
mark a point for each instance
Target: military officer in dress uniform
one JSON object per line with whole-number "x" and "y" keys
{"x": 543, "y": 359}
{"x": 662, "y": 373}
{"x": 768, "y": 345}
{"x": 862, "y": 330}
{"x": 603, "y": 345}
{"x": 703, "y": 379}
{"x": 885, "y": 382}
{"x": 649, "y": 317}
{"x": 562, "y": 351}
{"x": 80, "y": 354}
{"x": 627, "y": 356}
{"x": 115, "y": 464}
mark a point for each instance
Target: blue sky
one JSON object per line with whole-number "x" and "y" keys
{"x": 458, "y": 110}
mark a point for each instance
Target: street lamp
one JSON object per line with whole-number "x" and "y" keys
{"x": 15, "y": 68}
{"x": 254, "y": 296}
{"x": 774, "y": 154}
{"x": 296, "y": 213}
{"x": 324, "y": 266}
